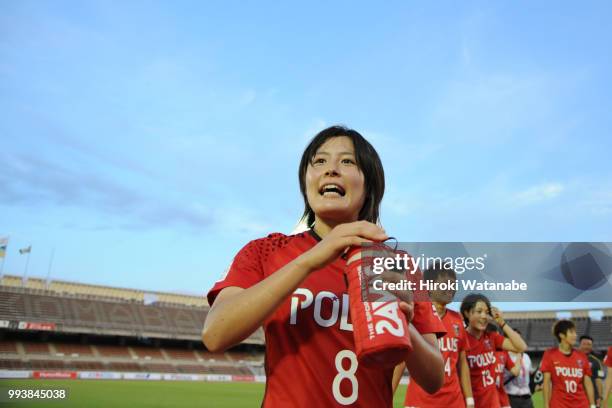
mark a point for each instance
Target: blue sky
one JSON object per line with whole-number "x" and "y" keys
{"x": 147, "y": 142}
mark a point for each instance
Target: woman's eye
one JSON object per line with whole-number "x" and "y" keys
{"x": 348, "y": 161}
{"x": 319, "y": 160}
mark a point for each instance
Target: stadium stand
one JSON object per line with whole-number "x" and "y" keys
{"x": 601, "y": 331}
{"x": 147, "y": 353}
{"x": 73, "y": 350}
{"x": 160, "y": 368}
{"x": 8, "y": 347}
{"x": 207, "y": 355}
{"x": 61, "y": 325}
{"x": 179, "y": 354}
{"x": 85, "y": 365}
{"x": 36, "y": 348}
{"x": 102, "y": 311}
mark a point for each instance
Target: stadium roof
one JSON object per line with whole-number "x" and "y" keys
{"x": 74, "y": 288}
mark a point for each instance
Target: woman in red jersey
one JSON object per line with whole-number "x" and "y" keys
{"x": 568, "y": 371}
{"x": 294, "y": 286}
{"x": 457, "y": 388}
{"x": 504, "y": 362}
{"x": 477, "y": 314}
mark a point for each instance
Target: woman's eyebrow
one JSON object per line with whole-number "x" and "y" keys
{"x": 329, "y": 154}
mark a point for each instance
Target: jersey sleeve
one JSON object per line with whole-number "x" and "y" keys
{"x": 244, "y": 271}
{"x": 426, "y": 319}
{"x": 545, "y": 366}
{"x": 498, "y": 340}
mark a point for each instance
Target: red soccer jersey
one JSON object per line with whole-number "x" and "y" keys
{"x": 310, "y": 354}
{"x": 450, "y": 395}
{"x": 503, "y": 362}
{"x": 608, "y": 359}
{"x": 566, "y": 374}
{"x": 481, "y": 359}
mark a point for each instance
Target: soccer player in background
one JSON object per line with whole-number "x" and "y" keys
{"x": 294, "y": 286}
{"x": 585, "y": 344}
{"x": 608, "y": 385}
{"x": 477, "y": 312}
{"x": 567, "y": 370}
{"x": 518, "y": 386}
{"x": 503, "y": 364}
{"x": 457, "y": 389}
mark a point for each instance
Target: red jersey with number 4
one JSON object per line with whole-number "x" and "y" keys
{"x": 608, "y": 359}
{"x": 503, "y": 363}
{"x": 566, "y": 373}
{"x": 450, "y": 395}
{"x": 481, "y": 359}
{"x": 310, "y": 353}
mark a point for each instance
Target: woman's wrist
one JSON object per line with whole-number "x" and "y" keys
{"x": 303, "y": 263}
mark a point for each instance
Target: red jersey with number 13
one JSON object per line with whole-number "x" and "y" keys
{"x": 482, "y": 361}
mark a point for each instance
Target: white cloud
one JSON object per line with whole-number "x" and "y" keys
{"x": 538, "y": 193}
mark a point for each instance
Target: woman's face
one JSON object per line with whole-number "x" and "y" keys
{"x": 334, "y": 183}
{"x": 478, "y": 317}
{"x": 569, "y": 337}
{"x": 443, "y": 296}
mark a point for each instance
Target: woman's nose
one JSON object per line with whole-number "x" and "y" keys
{"x": 331, "y": 170}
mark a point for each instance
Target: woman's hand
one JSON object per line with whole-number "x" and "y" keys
{"x": 497, "y": 316}
{"x": 408, "y": 309}
{"x": 338, "y": 240}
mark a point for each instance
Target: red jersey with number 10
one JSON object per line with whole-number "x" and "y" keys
{"x": 450, "y": 395}
{"x": 567, "y": 372}
{"x": 482, "y": 361}
{"x": 310, "y": 352}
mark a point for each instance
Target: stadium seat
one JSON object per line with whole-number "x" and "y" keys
{"x": 8, "y": 347}
{"x": 113, "y": 351}
{"x": 73, "y": 349}
{"x": 180, "y": 354}
{"x": 36, "y": 348}
{"x": 147, "y": 352}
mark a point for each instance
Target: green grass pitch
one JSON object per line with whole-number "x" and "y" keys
{"x": 155, "y": 394}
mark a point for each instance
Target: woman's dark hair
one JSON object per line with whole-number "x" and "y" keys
{"x": 368, "y": 162}
{"x": 438, "y": 270}
{"x": 469, "y": 303}
{"x": 562, "y": 327}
